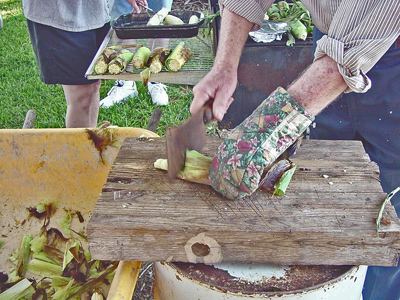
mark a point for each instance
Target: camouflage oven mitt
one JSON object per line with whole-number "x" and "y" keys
{"x": 256, "y": 143}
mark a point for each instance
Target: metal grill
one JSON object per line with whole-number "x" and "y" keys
{"x": 195, "y": 69}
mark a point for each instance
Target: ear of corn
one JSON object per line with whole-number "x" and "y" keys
{"x": 195, "y": 170}
{"x": 172, "y": 20}
{"x": 157, "y": 59}
{"x": 119, "y": 64}
{"x": 140, "y": 58}
{"x": 178, "y": 57}
{"x": 298, "y": 30}
{"x": 97, "y": 296}
{"x": 193, "y": 19}
{"x": 158, "y": 18}
{"x": 106, "y": 56}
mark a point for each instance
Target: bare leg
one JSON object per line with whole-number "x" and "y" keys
{"x": 82, "y": 105}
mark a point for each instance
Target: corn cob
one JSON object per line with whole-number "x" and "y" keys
{"x": 106, "y": 56}
{"x": 158, "y": 18}
{"x": 299, "y": 30}
{"x": 157, "y": 59}
{"x": 195, "y": 170}
{"x": 172, "y": 20}
{"x": 119, "y": 64}
{"x": 140, "y": 58}
{"x": 193, "y": 19}
{"x": 178, "y": 57}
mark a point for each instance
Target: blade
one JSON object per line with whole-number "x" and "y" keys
{"x": 191, "y": 135}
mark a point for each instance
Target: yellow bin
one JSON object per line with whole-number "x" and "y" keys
{"x": 60, "y": 165}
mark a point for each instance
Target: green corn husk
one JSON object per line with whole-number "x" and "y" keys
{"x": 382, "y": 208}
{"x": 178, "y": 58}
{"x": 60, "y": 280}
{"x": 23, "y": 255}
{"x": 43, "y": 257}
{"x": 145, "y": 75}
{"x": 65, "y": 292}
{"x": 65, "y": 224}
{"x": 44, "y": 268}
{"x": 140, "y": 58}
{"x": 21, "y": 290}
{"x": 195, "y": 170}
{"x": 298, "y": 30}
{"x": 119, "y": 64}
{"x": 37, "y": 243}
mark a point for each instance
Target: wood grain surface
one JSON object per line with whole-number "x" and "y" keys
{"x": 327, "y": 215}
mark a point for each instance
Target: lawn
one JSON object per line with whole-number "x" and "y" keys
{"x": 21, "y": 88}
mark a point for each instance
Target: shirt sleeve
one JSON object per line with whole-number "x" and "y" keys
{"x": 359, "y": 35}
{"x": 252, "y": 10}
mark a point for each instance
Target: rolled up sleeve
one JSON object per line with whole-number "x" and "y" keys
{"x": 359, "y": 35}
{"x": 251, "y": 10}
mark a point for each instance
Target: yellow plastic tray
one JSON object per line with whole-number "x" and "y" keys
{"x": 60, "y": 165}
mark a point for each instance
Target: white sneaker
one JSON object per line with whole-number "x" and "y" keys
{"x": 119, "y": 92}
{"x": 158, "y": 92}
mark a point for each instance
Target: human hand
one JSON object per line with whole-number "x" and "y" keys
{"x": 217, "y": 86}
{"x": 137, "y": 5}
{"x": 256, "y": 143}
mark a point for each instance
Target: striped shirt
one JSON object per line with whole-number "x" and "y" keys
{"x": 358, "y": 32}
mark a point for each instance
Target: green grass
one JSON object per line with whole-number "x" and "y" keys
{"x": 21, "y": 88}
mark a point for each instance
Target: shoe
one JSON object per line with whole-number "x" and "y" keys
{"x": 119, "y": 92}
{"x": 1, "y": 22}
{"x": 158, "y": 92}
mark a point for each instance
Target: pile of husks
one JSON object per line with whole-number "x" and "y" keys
{"x": 53, "y": 264}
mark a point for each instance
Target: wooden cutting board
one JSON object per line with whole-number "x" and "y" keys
{"x": 327, "y": 215}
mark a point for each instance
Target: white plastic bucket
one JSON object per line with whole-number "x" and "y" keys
{"x": 172, "y": 282}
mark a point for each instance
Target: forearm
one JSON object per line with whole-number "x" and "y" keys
{"x": 233, "y": 36}
{"x": 318, "y": 86}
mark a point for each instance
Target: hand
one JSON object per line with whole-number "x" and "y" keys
{"x": 217, "y": 86}
{"x": 137, "y": 8}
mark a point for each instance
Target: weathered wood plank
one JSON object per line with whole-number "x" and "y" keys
{"x": 326, "y": 217}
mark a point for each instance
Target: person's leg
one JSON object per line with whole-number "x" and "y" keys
{"x": 63, "y": 58}
{"x": 82, "y": 104}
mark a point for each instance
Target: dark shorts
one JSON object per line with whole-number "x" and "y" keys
{"x": 64, "y": 56}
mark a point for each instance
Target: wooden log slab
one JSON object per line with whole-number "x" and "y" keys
{"x": 327, "y": 215}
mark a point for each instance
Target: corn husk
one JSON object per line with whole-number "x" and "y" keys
{"x": 196, "y": 167}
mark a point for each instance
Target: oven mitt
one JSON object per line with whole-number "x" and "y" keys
{"x": 256, "y": 143}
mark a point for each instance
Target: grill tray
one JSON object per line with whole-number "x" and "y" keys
{"x": 133, "y": 26}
